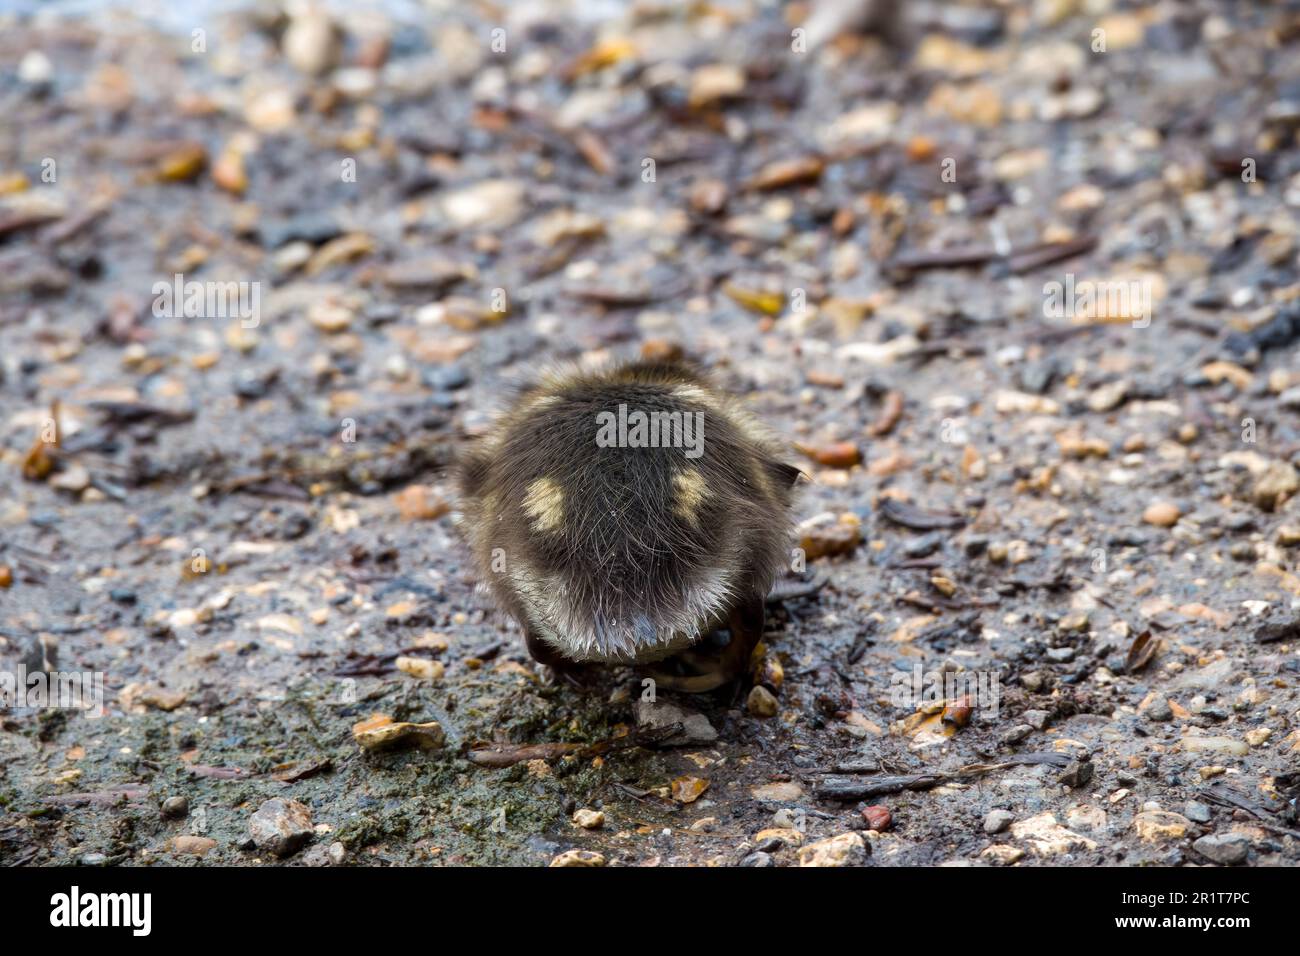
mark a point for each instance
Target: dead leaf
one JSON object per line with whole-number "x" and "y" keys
{"x": 688, "y": 789}
{"x": 787, "y": 172}
{"x": 765, "y": 303}
{"x": 1141, "y": 652}
{"x": 843, "y": 454}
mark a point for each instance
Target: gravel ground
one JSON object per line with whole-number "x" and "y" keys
{"x": 1018, "y": 281}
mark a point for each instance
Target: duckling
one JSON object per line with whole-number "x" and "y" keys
{"x": 624, "y": 515}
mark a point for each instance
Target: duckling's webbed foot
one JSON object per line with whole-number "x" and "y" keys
{"x": 705, "y": 668}
{"x": 564, "y": 670}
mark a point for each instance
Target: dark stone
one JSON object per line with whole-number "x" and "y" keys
{"x": 1076, "y": 774}
{"x": 446, "y": 378}
{"x": 314, "y": 227}
{"x": 1037, "y": 377}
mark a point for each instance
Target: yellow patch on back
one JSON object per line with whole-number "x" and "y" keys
{"x": 694, "y": 393}
{"x": 691, "y": 489}
{"x": 544, "y": 503}
{"x": 539, "y": 402}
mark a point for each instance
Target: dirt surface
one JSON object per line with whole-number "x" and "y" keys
{"x": 245, "y": 525}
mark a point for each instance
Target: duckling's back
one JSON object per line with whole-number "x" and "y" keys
{"x": 619, "y": 515}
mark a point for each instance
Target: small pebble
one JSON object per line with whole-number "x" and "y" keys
{"x": 1076, "y": 774}
{"x": 878, "y": 817}
{"x": 998, "y": 820}
{"x": 761, "y": 703}
{"x": 281, "y": 826}
{"x": 1226, "y": 849}
{"x": 589, "y": 819}
{"x": 1159, "y": 711}
{"x": 578, "y": 858}
{"x": 1162, "y": 514}
{"x": 1037, "y": 718}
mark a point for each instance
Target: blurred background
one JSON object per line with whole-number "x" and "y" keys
{"x": 1017, "y": 281}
